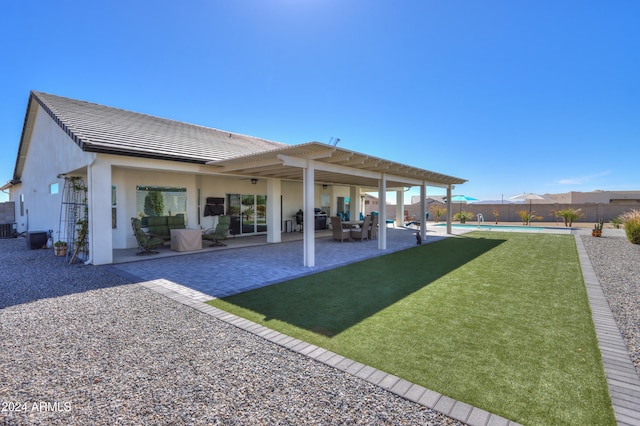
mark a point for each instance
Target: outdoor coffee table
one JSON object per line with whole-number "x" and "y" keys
{"x": 186, "y": 239}
{"x": 352, "y": 223}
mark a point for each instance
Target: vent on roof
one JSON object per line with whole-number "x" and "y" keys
{"x": 334, "y": 141}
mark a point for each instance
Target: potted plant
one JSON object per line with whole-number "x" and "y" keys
{"x": 597, "y": 228}
{"x": 60, "y": 248}
{"x": 463, "y": 216}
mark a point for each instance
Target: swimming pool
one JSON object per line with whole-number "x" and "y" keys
{"x": 507, "y": 227}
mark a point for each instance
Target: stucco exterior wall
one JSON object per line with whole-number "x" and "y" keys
{"x": 50, "y": 152}
{"x": 125, "y": 179}
{"x": 125, "y": 182}
{"x": 604, "y": 197}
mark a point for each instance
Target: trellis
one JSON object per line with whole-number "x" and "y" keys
{"x": 74, "y": 219}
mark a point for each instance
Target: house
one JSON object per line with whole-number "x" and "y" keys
{"x": 597, "y": 196}
{"x": 123, "y": 156}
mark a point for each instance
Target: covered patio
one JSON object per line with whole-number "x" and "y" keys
{"x": 123, "y": 156}
{"x": 315, "y": 163}
{"x": 250, "y": 262}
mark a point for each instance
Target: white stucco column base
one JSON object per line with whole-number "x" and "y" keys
{"x": 449, "y": 210}
{"x": 309, "y": 215}
{"x": 382, "y": 220}
{"x": 99, "y": 201}
{"x": 423, "y": 211}
{"x": 274, "y": 211}
{"x": 399, "y": 208}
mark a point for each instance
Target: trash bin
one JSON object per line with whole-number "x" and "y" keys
{"x": 36, "y": 239}
{"x": 288, "y": 226}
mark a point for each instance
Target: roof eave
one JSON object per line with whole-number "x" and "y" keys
{"x": 140, "y": 154}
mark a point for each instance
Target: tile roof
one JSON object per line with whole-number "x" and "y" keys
{"x": 99, "y": 128}
{"x": 103, "y": 129}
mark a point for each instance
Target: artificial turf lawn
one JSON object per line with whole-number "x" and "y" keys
{"x": 498, "y": 320}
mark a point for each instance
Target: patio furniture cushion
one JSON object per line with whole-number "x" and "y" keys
{"x": 219, "y": 232}
{"x": 361, "y": 233}
{"x": 162, "y": 225}
{"x": 146, "y": 242}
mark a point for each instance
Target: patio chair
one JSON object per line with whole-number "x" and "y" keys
{"x": 338, "y": 232}
{"x": 373, "y": 229}
{"x": 218, "y": 233}
{"x": 361, "y": 233}
{"x": 300, "y": 220}
{"x": 146, "y": 242}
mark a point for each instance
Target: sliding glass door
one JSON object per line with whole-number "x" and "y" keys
{"x": 248, "y": 213}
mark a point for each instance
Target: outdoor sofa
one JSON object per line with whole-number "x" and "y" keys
{"x": 161, "y": 226}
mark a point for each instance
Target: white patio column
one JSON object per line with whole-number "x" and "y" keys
{"x": 382, "y": 219}
{"x": 308, "y": 179}
{"x": 423, "y": 211}
{"x": 99, "y": 204}
{"x": 274, "y": 211}
{"x": 449, "y": 211}
{"x": 399, "y": 208}
{"x": 354, "y": 203}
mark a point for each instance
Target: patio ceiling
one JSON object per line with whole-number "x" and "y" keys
{"x": 332, "y": 165}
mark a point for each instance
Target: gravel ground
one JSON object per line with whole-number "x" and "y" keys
{"x": 82, "y": 346}
{"x": 617, "y": 265}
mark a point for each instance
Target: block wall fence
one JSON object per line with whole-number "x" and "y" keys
{"x": 592, "y": 212}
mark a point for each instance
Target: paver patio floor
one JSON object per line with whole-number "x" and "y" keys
{"x": 221, "y": 273}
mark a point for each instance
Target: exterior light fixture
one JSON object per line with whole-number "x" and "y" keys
{"x": 254, "y": 181}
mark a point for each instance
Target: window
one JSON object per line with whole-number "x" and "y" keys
{"x": 343, "y": 205}
{"x": 160, "y": 201}
{"x": 53, "y": 188}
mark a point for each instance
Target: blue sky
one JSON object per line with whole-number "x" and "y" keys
{"x": 514, "y": 96}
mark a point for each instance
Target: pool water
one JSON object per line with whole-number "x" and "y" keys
{"x": 504, "y": 227}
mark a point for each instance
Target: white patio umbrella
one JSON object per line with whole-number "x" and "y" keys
{"x": 529, "y": 196}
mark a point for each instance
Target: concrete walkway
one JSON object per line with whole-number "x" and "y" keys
{"x": 203, "y": 276}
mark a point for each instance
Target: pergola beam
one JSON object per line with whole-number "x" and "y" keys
{"x": 242, "y": 166}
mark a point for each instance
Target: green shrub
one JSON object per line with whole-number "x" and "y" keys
{"x": 154, "y": 203}
{"x": 463, "y": 216}
{"x": 569, "y": 215}
{"x": 616, "y": 222}
{"x": 528, "y": 216}
{"x": 437, "y": 211}
{"x": 631, "y": 222}
{"x": 633, "y": 231}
